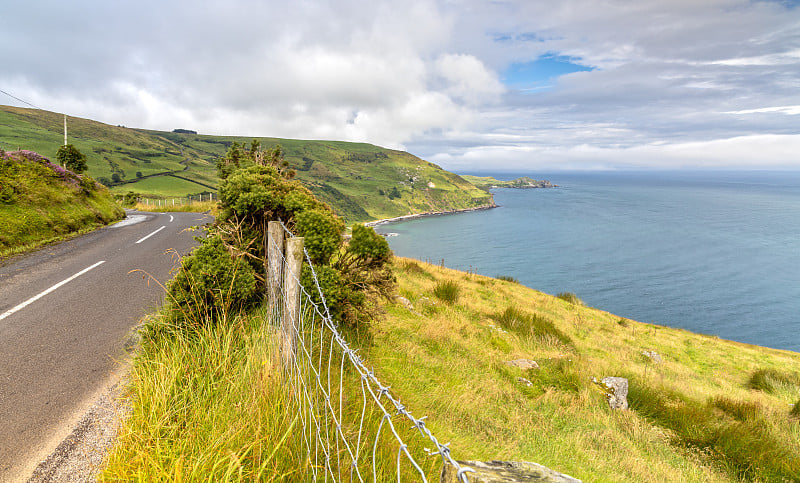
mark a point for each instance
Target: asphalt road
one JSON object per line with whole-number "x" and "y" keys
{"x": 66, "y": 313}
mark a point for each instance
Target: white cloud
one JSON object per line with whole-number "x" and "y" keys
{"x": 758, "y": 151}
{"x": 671, "y": 79}
{"x": 790, "y": 110}
{"x": 468, "y": 79}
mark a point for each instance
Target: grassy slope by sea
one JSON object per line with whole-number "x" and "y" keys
{"x": 41, "y": 202}
{"x": 700, "y": 415}
{"x": 360, "y": 181}
{"x": 209, "y": 405}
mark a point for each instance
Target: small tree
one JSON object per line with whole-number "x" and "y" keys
{"x": 72, "y": 159}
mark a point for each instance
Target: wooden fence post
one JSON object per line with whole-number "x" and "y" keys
{"x": 291, "y": 299}
{"x": 274, "y": 244}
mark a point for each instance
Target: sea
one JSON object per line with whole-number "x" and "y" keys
{"x": 716, "y": 253}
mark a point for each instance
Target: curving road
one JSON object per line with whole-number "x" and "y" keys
{"x": 66, "y": 313}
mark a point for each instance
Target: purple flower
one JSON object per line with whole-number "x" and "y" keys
{"x": 29, "y": 155}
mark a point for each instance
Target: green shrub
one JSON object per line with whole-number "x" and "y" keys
{"x": 69, "y": 157}
{"x": 507, "y": 278}
{"x": 256, "y": 189}
{"x": 210, "y": 284}
{"x": 570, "y": 297}
{"x": 339, "y": 298}
{"x": 447, "y": 291}
{"x": 368, "y": 247}
{"x": 530, "y": 325}
{"x": 795, "y": 411}
{"x": 322, "y": 231}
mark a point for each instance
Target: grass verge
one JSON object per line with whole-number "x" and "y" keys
{"x": 207, "y": 406}
{"x": 193, "y": 207}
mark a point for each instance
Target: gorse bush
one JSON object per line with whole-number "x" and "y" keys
{"x": 210, "y": 284}
{"x": 447, "y": 291}
{"x": 257, "y": 188}
{"x": 322, "y": 234}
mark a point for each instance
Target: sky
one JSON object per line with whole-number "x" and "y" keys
{"x": 503, "y": 85}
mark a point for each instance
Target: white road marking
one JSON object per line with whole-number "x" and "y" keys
{"x": 148, "y": 236}
{"x": 170, "y": 218}
{"x": 54, "y": 287}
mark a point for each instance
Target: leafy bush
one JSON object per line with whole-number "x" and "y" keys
{"x": 322, "y": 232}
{"x": 128, "y": 200}
{"x": 447, "y": 291}
{"x": 343, "y": 302}
{"x": 257, "y": 189}
{"x": 530, "y": 325}
{"x": 367, "y": 247}
{"x": 364, "y": 267}
{"x": 570, "y": 297}
{"x": 71, "y": 158}
{"x": 211, "y": 283}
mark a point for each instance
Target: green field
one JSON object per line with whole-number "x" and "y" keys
{"x": 161, "y": 187}
{"x": 360, "y": 181}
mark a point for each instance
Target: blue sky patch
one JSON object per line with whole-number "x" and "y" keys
{"x": 539, "y": 74}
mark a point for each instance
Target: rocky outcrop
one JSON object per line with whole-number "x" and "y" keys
{"x": 616, "y": 389}
{"x": 523, "y": 364}
{"x": 653, "y": 356}
{"x": 505, "y": 471}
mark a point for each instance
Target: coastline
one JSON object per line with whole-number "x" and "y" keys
{"x": 387, "y": 221}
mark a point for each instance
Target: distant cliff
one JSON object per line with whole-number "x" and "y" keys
{"x": 488, "y": 182}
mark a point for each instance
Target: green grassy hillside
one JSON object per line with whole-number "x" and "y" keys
{"x": 709, "y": 410}
{"x": 360, "y": 181}
{"x": 209, "y": 404}
{"x": 41, "y": 202}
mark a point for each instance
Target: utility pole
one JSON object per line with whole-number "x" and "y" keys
{"x": 65, "y": 129}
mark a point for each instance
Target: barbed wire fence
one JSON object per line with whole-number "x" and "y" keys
{"x": 353, "y": 428}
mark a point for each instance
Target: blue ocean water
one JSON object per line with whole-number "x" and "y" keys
{"x": 714, "y": 253}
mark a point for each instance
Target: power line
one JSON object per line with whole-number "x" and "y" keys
{"x": 21, "y": 100}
